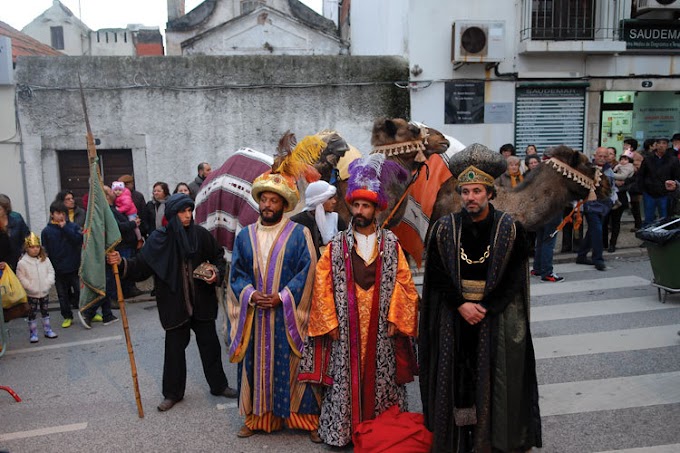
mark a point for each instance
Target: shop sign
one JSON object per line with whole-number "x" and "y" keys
{"x": 651, "y": 35}
{"x": 464, "y": 102}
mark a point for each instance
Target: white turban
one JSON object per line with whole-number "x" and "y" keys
{"x": 316, "y": 194}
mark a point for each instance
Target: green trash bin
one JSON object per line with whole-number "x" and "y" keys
{"x": 663, "y": 247}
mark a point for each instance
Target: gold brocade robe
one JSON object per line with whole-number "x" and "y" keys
{"x": 403, "y": 312}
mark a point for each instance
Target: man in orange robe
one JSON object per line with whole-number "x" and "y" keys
{"x": 366, "y": 303}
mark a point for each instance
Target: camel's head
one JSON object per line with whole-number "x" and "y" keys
{"x": 435, "y": 142}
{"x": 335, "y": 149}
{"x": 388, "y": 131}
{"x": 582, "y": 165}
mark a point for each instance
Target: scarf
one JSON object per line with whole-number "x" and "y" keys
{"x": 515, "y": 178}
{"x": 327, "y": 222}
{"x": 167, "y": 247}
{"x": 160, "y": 212}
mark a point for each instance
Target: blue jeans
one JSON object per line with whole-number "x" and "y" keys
{"x": 592, "y": 239}
{"x": 68, "y": 290}
{"x": 545, "y": 246}
{"x": 652, "y": 204}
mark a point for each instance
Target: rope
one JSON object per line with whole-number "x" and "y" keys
{"x": 576, "y": 212}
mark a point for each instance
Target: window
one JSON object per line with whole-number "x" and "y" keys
{"x": 562, "y": 20}
{"x": 57, "y": 35}
{"x": 250, "y": 5}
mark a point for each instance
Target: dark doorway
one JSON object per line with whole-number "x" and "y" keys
{"x": 74, "y": 172}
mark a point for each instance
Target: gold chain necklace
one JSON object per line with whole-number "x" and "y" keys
{"x": 465, "y": 258}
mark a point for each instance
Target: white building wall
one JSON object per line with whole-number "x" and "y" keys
{"x": 11, "y": 181}
{"x": 430, "y": 30}
{"x": 76, "y": 41}
{"x": 428, "y": 46}
{"x": 380, "y": 27}
{"x": 274, "y": 35}
{"x": 225, "y": 10}
{"x": 112, "y": 43}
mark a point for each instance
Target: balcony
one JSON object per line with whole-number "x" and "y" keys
{"x": 572, "y": 26}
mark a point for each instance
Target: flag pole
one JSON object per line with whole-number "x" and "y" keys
{"x": 92, "y": 154}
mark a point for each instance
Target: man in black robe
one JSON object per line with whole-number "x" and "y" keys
{"x": 477, "y": 365}
{"x": 186, "y": 301}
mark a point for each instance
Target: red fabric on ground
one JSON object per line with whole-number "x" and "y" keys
{"x": 393, "y": 432}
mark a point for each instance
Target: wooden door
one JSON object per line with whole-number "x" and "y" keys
{"x": 74, "y": 173}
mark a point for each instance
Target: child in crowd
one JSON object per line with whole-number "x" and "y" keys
{"x": 63, "y": 241}
{"x": 125, "y": 205}
{"x": 36, "y": 274}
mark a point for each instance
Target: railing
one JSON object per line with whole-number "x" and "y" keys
{"x": 573, "y": 20}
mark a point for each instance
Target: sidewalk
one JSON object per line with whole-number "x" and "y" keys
{"x": 627, "y": 245}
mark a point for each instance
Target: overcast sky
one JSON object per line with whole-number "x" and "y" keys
{"x": 98, "y": 14}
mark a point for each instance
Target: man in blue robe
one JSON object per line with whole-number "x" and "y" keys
{"x": 269, "y": 298}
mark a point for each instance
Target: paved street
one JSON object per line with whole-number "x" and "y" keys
{"x": 608, "y": 366}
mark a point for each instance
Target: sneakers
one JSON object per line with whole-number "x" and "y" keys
{"x": 97, "y": 318}
{"x": 111, "y": 321}
{"x": 552, "y": 278}
{"x": 535, "y": 273}
{"x": 85, "y": 321}
{"x": 67, "y": 323}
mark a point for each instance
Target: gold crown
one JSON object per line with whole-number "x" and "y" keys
{"x": 473, "y": 175}
{"x": 31, "y": 240}
{"x": 280, "y": 184}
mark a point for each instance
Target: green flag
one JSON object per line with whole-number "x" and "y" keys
{"x": 101, "y": 235}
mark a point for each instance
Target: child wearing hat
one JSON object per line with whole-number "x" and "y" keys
{"x": 36, "y": 274}
{"x": 125, "y": 205}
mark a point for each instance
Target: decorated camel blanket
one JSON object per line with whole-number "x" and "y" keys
{"x": 224, "y": 204}
{"x": 419, "y": 205}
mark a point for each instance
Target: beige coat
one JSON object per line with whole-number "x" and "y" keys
{"x": 37, "y": 277}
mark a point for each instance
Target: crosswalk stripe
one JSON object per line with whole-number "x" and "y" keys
{"x": 597, "y": 308}
{"x": 539, "y": 288}
{"x": 566, "y": 268}
{"x": 63, "y": 345}
{"x": 43, "y": 431}
{"x": 604, "y": 342}
{"x": 671, "y": 448}
{"x": 609, "y": 394}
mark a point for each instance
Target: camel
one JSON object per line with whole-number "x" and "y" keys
{"x": 566, "y": 177}
{"x": 224, "y": 204}
{"x": 407, "y": 143}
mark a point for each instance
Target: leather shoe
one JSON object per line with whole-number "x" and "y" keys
{"x": 166, "y": 405}
{"x": 585, "y": 261}
{"x": 611, "y": 249}
{"x": 314, "y": 437}
{"x": 244, "y": 432}
{"x": 229, "y": 393}
{"x": 600, "y": 267}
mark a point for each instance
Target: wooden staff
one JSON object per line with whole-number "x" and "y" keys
{"x": 92, "y": 154}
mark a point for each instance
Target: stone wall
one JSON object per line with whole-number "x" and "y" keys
{"x": 174, "y": 112}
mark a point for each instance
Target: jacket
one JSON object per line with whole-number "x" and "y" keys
{"x": 125, "y": 204}
{"x": 79, "y": 216}
{"x": 128, "y": 238}
{"x": 35, "y": 275}
{"x": 63, "y": 246}
{"x": 195, "y": 186}
{"x": 655, "y": 171}
{"x": 172, "y": 306}
{"x": 17, "y": 231}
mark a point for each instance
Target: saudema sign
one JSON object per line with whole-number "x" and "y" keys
{"x": 651, "y": 35}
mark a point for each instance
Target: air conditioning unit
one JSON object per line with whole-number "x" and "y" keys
{"x": 655, "y": 5}
{"x": 478, "y": 41}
